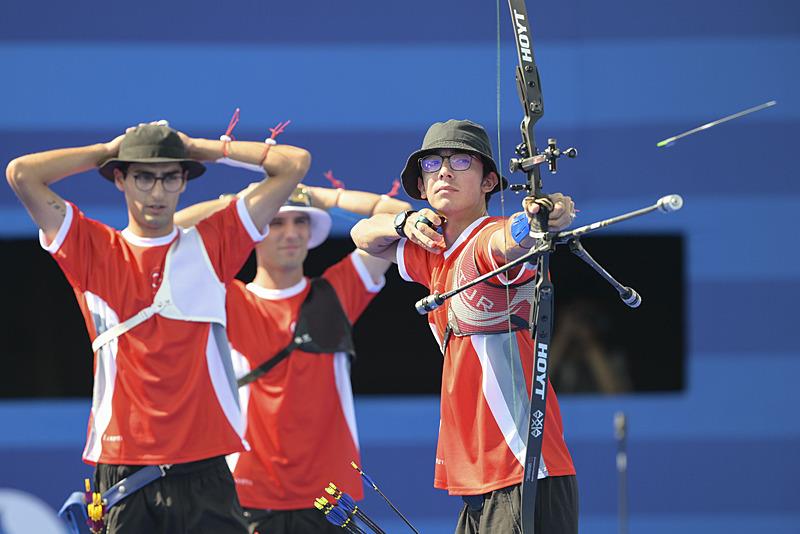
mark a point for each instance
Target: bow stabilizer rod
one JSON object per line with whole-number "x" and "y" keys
{"x": 666, "y": 204}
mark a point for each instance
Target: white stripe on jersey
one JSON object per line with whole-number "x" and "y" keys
{"x": 61, "y": 235}
{"x": 401, "y": 261}
{"x": 240, "y": 368}
{"x": 341, "y": 371}
{"x": 105, "y": 376}
{"x": 363, "y": 273}
{"x": 498, "y": 404}
{"x": 436, "y": 336}
{"x": 221, "y": 382}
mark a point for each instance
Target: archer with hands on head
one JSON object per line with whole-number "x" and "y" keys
{"x": 483, "y": 333}
{"x": 150, "y": 214}
{"x": 153, "y": 300}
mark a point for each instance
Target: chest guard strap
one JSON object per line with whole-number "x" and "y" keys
{"x": 187, "y": 267}
{"x": 322, "y": 327}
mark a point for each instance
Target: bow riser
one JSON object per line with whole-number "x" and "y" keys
{"x": 530, "y": 96}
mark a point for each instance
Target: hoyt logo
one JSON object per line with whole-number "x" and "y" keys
{"x": 522, "y": 37}
{"x": 537, "y": 424}
{"x": 541, "y": 369}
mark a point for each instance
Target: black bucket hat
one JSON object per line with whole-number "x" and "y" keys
{"x": 455, "y": 135}
{"x": 152, "y": 143}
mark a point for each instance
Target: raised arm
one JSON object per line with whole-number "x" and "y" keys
{"x": 378, "y": 236}
{"x": 31, "y": 176}
{"x": 284, "y": 167}
{"x": 364, "y": 204}
{"x": 358, "y": 202}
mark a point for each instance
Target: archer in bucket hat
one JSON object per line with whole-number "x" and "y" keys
{"x": 165, "y": 405}
{"x": 483, "y": 332}
{"x": 457, "y": 135}
{"x": 280, "y": 477}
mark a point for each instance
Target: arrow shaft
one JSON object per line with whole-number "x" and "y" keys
{"x": 711, "y": 124}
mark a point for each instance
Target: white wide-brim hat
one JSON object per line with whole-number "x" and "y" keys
{"x": 321, "y": 221}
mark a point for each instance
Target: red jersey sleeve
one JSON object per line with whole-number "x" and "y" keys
{"x": 80, "y": 244}
{"x": 247, "y": 334}
{"x": 229, "y": 236}
{"x": 485, "y": 259}
{"x": 353, "y": 285}
{"x": 414, "y": 263}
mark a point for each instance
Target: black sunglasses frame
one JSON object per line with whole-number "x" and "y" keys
{"x": 471, "y": 157}
{"x": 137, "y": 177}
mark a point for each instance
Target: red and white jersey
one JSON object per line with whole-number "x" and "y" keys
{"x": 486, "y": 382}
{"x": 300, "y": 418}
{"x": 161, "y": 393}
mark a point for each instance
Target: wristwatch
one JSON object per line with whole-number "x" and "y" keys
{"x": 400, "y": 222}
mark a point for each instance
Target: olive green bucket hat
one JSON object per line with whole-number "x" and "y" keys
{"x": 152, "y": 143}
{"x": 456, "y": 135}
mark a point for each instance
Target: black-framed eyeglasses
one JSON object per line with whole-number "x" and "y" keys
{"x": 171, "y": 182}
{"x": 457, "y": 162}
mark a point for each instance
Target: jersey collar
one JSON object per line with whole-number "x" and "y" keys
{"x": 277, "y": 294}
{"x": 140, "y": 241}
{"x": 463, "y": 236}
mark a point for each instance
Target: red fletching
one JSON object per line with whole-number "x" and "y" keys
{"x": 278, "y": 129}
{"x": 232, "y": 124}
{"x": 337, "y": 184}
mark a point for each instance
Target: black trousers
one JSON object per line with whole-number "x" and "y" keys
{"x": 499, "y": 510}
{"x": 193, "y": 498}
{"x": 306, "y": 521}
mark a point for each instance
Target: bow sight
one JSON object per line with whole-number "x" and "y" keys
{"x": 526, "y": 163}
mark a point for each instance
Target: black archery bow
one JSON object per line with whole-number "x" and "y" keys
{"x": 530, "y": 95}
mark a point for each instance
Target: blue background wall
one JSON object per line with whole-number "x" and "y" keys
{"x": 361, "y": 81}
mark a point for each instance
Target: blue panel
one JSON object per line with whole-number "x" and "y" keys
{"x": 669, "y": 477}
{"x": 587, "y": 84}
{"x": 49, "y": 424}
{"x": 51, "y": 475}
{"x": 364, "y": 21}
{"x": 741, "y": 523}
{"x": 711, "y": 408}
{"x": 744, "y": 317}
